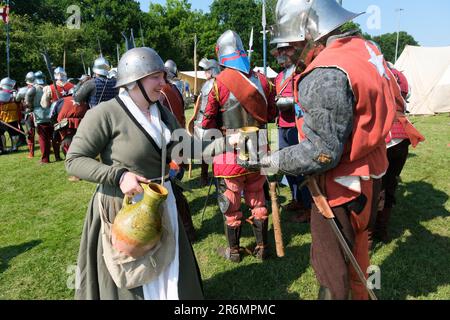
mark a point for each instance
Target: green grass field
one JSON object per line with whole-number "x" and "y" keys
{"x": 42, "y": 213}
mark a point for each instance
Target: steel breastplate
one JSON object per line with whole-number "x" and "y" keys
{"x": 235, "y": 116}
{"x": 206, "y": 89}
{"x": 38, "y": 97}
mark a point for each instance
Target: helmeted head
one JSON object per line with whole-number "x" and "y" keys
{"x": 101, "y": 66}
{"x": 112, "y": 74}
{"x": 60, "y": 74}
{"x": 171, "y": 69}
{"x": 210, "y": 66}
{"x": 231, "y": 53}
{"x": 137, "y": 63}
{"x": 39, "y": 78}
{"x": 308, "y": 20}
{"x": 280, "y": 53}
{"x": 29, "y": 78}
{"x": 8, "y": 84}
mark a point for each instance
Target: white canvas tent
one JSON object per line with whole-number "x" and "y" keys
{"x": 189, "y": 77}
{"x": 428, "y": 74}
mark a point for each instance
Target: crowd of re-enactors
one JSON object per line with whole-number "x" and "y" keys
{"x": 340, "y": 112}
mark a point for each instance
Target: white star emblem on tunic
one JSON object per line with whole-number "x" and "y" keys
{"x": 377, "y": 61}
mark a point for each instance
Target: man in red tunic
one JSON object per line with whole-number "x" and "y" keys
{"x": 240, "y": 98}
{"x": 348, "y": 97}
{"x": 51, "y": 95}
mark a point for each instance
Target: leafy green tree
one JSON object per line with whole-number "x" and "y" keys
{"x": 169, "y": 28}
{"x": 388, "y": 41}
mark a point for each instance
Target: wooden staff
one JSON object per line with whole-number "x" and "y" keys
{"x": 276, "y": 220}
{"x": 195, "y": 90}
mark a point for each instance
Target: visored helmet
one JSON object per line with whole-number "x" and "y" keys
{"x": 231, "y": 53}
{"x": 295, "y": 19}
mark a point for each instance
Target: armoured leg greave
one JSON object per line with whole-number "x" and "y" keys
{"x": 233, "y": 236}
{"x": 260, "y": 230}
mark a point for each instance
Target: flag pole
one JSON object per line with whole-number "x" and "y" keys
{"x": 195, "y": 64}
{"x": 142, "y": 34}
{"x": 7, "y": 40}
{"x": 64, "y": 60}
{"x": 264, "y": 25}
{"x": 195, "y": 90}
{"x": 118, "y": 54}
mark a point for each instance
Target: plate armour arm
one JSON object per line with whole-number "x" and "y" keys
{"x": 83, "y": 93}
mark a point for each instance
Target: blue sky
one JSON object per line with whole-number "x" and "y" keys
{"x": 427, "y": 21}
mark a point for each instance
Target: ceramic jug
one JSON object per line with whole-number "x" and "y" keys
{"x": 137, "y": 228}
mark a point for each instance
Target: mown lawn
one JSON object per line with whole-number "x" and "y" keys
{"x": 42, "y": 213}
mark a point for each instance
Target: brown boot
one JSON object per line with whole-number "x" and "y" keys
{"x": 381, "y": 225}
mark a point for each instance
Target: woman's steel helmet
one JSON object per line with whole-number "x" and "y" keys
{"x": 137, "y": 64}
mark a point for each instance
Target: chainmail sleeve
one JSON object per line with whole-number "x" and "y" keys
{"x": 83, "y": 93}
{"x": 328, "y": 100}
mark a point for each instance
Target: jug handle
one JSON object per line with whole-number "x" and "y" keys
{"x": 126, "y": 201}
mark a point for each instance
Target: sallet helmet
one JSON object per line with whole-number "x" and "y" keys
{"x": 136, "y": 64}
{"x": 297, "y": 19}
{"x": 101, "y": 66}
{"x": 231, "y": 53}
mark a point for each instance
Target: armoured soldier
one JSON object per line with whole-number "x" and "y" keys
{"x": 342, "y": 136}
{"x": 240, "y": 98}
{"x": 42, "y": 120}
{"x": 212, "y": 70}
{"x": 100, "y": 88}
{"x": 9, "y": 113}
{"x": 172, "y": 93}
{"x": 28, "y": 100}
{"x": 289, "y": 112}
{"x": 172, "y": 75}
{"x": 62, "y": 86}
